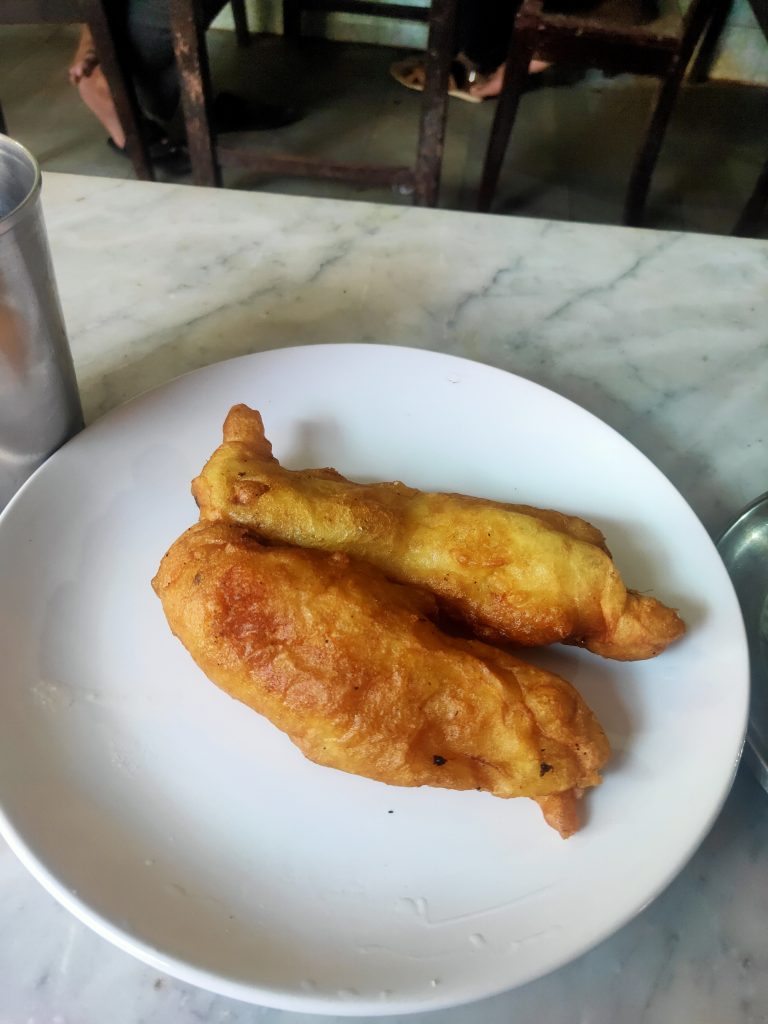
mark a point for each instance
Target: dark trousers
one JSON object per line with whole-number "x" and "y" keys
{"x": 148, "y": 25}
{"x": 483, "y": 31}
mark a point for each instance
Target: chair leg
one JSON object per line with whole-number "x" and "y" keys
{"x": 192, "y": 63}
{"x": 702, "y": 64}
{"x": 645, "y": 162}
{"x": 747, "y": 222}
{"x": 118, "y": 76}
{"x": 3, "y": 125}
{"x": 640, "y": 180}
{"x": 240, "y": 17}
{"x": 292, "y": 19}
{"x": 434, "y": 106}
{"x": 515, "y": 76}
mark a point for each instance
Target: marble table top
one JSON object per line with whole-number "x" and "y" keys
{"x": 662, "y": 335}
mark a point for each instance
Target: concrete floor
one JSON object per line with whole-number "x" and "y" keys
{"x": 569, "y": 158}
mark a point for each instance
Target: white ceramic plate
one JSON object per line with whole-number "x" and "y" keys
{"x": 187, "y": 830}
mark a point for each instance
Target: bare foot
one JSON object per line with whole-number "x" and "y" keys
{"x": 95, "y": 93}
{"x": 85, "y": 59}
{"x": 490, "y": 85}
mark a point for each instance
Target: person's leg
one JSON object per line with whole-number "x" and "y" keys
{"x": 483, "y": 28}
{"x": 87, "y": 76}
{"x": 84, "y": 59}
{"x": 483, "y": 31}
{"x": 491, "y": 84}
{"x": 95, "y": 93}
{"x": 157, "y": 80}
{"x": 154, "y": 66}
{"x": 486, "y": 27}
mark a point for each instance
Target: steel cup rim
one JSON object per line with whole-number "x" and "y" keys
{"x": 18, "y": 212}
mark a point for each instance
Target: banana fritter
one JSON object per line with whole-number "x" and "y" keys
{"x": 352, "y": 668}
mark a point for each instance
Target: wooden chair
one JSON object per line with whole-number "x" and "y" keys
{"x": 209, "y": 154}
{"x": 97, "y": 15}
{"x": 610, "y": 36}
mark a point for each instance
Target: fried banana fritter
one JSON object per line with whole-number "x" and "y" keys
{"x": 512, "y": 573}
{"x": 352, "y": 668}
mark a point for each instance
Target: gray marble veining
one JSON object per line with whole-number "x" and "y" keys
{"x": 661, "y": 335}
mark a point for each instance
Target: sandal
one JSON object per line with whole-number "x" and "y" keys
{"x": 412, "y": 73}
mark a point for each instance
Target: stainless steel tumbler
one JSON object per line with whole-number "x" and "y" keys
{"x": 39, "y": 401}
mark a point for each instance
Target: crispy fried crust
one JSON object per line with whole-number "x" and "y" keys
{"x": 511, "y": 572}
{"x": 352, "y": 668}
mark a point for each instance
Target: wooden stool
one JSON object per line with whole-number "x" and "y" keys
{"x": 208, "y": 154}
{"x": 610, "y": 36}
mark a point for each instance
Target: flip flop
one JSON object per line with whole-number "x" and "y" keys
{"x": 412, "y": 73}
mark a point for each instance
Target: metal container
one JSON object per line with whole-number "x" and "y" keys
{"x": 39, "y": 401}
{"x": 744, "y": 549}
